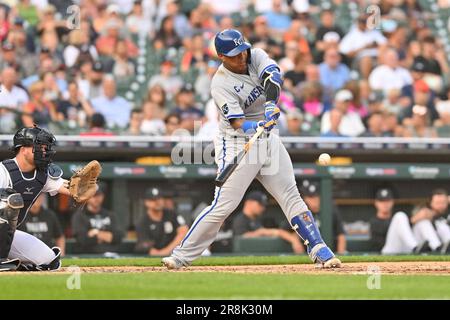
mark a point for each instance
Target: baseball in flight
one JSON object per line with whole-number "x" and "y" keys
{"x": 324, "y": 159}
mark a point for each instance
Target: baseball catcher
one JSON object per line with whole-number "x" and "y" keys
{"x": 22, "y": 179}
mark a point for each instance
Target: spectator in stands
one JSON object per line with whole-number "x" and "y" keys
{"x": 248, "y": 223}
{"x": 28, "y": 12}
{"x": 203, "y": 82}
{"x": 278, "y": 20}
{"x": 173, "y": 124}
{"x": 75, "y": 109}
{"x": 28, "y": 60}
{"x": 295, "y": 76}
{"x": 51, "y": 30}
{"x": 419, "y": 93}
{"x": 114, "y": 108}
{"x": 90, "y": 81}
{"x": 419, "y": 124}
{"x": 389, "y": 75}
{"x": 391, "y": 233}
{"x": 78, "y": 49}
{"x": 152, "y": 120}
{"x": 180, "y": 21}
{"x": 312, "y": 92}
{"x": 11, "y": 96}
{"x": 439, "y": 204}
{"x": 106, "y": 43}
{"x": 166, "y": 37}
{"x": 4, "y": 24}
{"x": 328, "y": 34}
{"x": 136, "y": 22}
{"x": 97, "y": 127}
{"x": 52, "y": 91}
{"x": 95, "y": 228}
{"x": 9, "y": 58}
{"x": 435, "y": 63}
{"x": 156, "y": 94}
{"x": 134, "y": 127}
{"x": 356, "y": 105}
{"x": 196, "y": 54}
{"x": 38, "y": 110}
{"x": 361, "y": 45}
{"x": 375, "y": 126}
{"x": 333, "y": 73}
{"x": 335, "y": 116}
{"x": 43, "y": 224}
{"x": 351, "y": 124}
{"x": 187, "y": 109}
{"x": 159, "y": 230}
{"x": 260, "y": 37}
{"x": 443, "y": 123}
{"x": 391, "y": 126}
{"x": 311, "y": 195}
{"x": 375, "y": 102}
{"x": 292, "y": 53}
{"x": 294, "y": 121}
{"x": 123, "y": 67}
{"x": 170, "y": 82}
{"x": 296, "y": 34}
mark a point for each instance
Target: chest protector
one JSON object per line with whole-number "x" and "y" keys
{"x": 29, "y": 189}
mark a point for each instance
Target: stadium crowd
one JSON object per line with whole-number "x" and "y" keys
{"x": 346, "y": 72}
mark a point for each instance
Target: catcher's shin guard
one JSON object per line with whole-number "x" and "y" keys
{"x": 10, "y": 204}
{"x": 307, "y": 229}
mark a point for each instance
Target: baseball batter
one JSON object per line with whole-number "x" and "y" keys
{"x": 22, "y": 180}
{"x": 246, "y": 88}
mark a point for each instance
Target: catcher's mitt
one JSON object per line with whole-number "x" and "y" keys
{"x": 83, "y": 183}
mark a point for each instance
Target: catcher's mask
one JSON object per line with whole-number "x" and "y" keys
{"x": 41, "y": 140}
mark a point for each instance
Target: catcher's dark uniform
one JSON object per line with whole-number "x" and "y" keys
{"x": 26, "y": 247}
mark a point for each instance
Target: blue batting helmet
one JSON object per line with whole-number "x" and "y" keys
{"x": 230, "y": 43}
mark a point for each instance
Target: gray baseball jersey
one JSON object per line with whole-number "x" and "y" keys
{"x": 242, "y": 96}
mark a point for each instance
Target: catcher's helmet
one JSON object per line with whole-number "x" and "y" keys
{"x": 42, "y": 142}
{"x": 230, "y": 43}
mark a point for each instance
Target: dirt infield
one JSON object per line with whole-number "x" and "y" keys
{"x": 394, "y": 268}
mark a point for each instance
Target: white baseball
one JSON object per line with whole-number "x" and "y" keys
{"x": 324, "y": 159}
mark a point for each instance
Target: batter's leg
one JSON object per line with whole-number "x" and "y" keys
{"x": 207, "y": 224}
{"x": 282, "y": 186}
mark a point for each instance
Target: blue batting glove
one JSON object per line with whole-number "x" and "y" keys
{"x": 271, "y": 111}
{"x": 268, "y": 125}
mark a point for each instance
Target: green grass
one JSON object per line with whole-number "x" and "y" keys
{"x": 172, "y": 285}
{"x": 217, "y": 285}
{"x": 245, "y": 260}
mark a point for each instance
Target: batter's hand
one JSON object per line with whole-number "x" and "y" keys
{"x": 268, "y": 125}
{"x": 271, "y": 111}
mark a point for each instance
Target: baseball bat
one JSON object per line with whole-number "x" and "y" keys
{"x": 230, "y": 167}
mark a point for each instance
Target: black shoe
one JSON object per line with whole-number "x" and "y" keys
{"x": 445, "y": 248}
{"x": 9, "y": 264}
{"x": 422, "y": 248}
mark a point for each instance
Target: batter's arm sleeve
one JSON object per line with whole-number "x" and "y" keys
{"x": 269, "y": 73}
